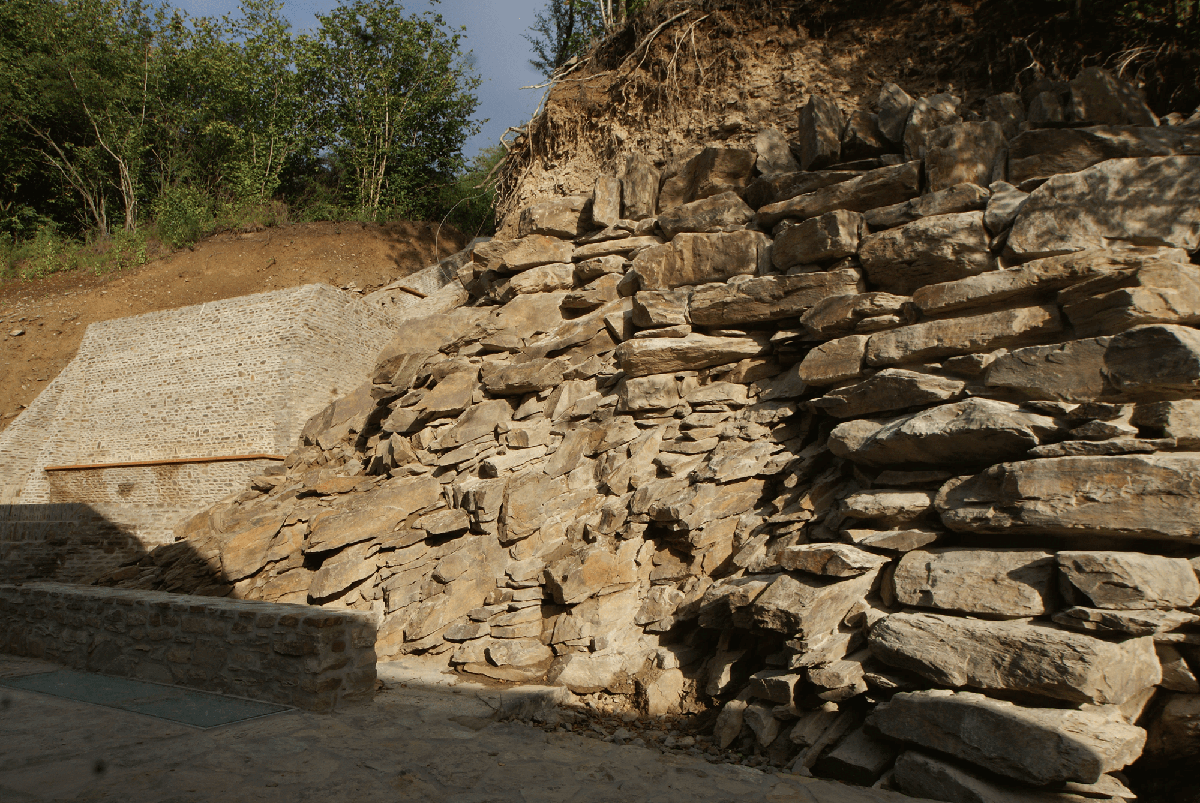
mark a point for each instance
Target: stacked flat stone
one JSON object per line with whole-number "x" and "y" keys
{"x": 893, "y": 460}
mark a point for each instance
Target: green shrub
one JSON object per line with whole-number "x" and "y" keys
{"x": 182, "y": 215}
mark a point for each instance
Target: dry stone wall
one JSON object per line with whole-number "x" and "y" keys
{"x": 235, "y": 377}
{"x": 879, "y": 441}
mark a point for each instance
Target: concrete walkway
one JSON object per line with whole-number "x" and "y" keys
{"x": 431, "y": 739}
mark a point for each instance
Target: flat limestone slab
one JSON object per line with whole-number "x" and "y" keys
{"x": 1135, "y": 496}
{"x": 1034, "y": 745}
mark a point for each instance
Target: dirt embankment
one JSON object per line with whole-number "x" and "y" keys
{"x": 53, "y": 312}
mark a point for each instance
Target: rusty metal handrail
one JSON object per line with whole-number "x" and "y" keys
{"x": 171, "y": 462}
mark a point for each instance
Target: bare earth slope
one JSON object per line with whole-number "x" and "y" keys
{"x": 54, "y": 312}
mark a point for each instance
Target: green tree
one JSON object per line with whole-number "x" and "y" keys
{"x": 393, "y": 99}
{"x": 565, "y": 29}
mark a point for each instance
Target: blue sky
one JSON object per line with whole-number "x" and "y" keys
{"x": 494, "y": 35}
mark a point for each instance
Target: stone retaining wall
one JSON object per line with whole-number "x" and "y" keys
{"x": 233, "y": 377}
{"x": 288, "y": 654}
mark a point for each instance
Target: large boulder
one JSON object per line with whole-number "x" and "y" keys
{"x": 1154, "y": 360}
{"x": 1158, "y": 291}
{"x": 767, "y": 298}
{"x": 958, "y": 198}
{"x": 821, "y": 125}
{"x": 723, "y": 212}
{"x": 701, "y": 258}
{"x": 940, "y": 248}
{"x": 968, "y": 432}
{"x": 1035, "y": 278}
{"x": 831, "y": 236}
{"x": 1130, "y": 580}
{"x": 882, "y": 187}
{"x": 1016, "y": 656}
{"x": 1128, "y": 496}
{"x": 661, "y": 355}
{"x": 1071, "y": 371}
{"x": 1033, "y": 745}
{"x": 890, "y": 389}
{"x": 965, "y": 153}
{"x": 808, "y": 607}
{"x": 986, "y": 582}
{"x": 1097, "y": 96}
{"x": 557, "y": 217}
{"x": 1153, "y": 200}
{"x": 1040, "y": 153}
{"x": 928, "y": 114}
{"x": 948, "y": 337}
{"x": 639, "y": 187}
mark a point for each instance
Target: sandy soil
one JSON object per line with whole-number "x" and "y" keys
{"x": 54, "y": 312}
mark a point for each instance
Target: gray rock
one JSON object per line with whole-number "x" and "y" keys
{"x": 901, "y": 540}
{"x": 887, "y": 504}
{"x": 558, "y": 217}
{"x": 940, "y": 248}
{"x": 1016, "y": 656}
{"x": 963, "y": 153}
{"x": 1044, "y": 152}
{"x": 958, "y": 198}
{"x": 774, "y": 153}
{"x": 1153, "y": 200}
{"x": 1157, "y": 359}
{"x": 808, "y": 607}
{"x": 1046, "y": 108}
{"x": 527, "y": 377}
{"x": 722, "y": 212}
{"x": 654, "y": 308}
{"x": 890, "y": 389}
{"x": 1157, "y": 291}
{"x": 895, "y": 106}
{"x": 341, "y": 571}
{"x": 702, "y": 258}
{"x": 1124, "y": 623}
{"x": 537, "y": 249}
{"x": 1099, "y": 97}
{"x": 1036, "y": 278}
{"x": 762, "y": 723}
{"x": 924, "y": 776}
{"x": 1032, "y": 745}
{"x": 968, "y": 432}
{"x": 831, "y": 236}
{"x": 840, "y": 315}
{"x": 835, "y": 361}
{"x": 863, "y": 138}
{"x": 1130, "y": 580}
{"x": 861, "y": 758}
{"x": 639, "y": 187}
{"x": 1179, "y": 420}
{"x": 642, "y": 357}
{"x": 1175, "y": 729}
{"x": 606, "y": 201}
{"x": 987, "y": 582}
{"x": 768, "y": 298}
{"x": 1145, "y": 496}
{"x": 928, "y": 114}
{"x": 820, "y": 137}
{"x": 1071, "y": 371}
{"x": 1007, "y": 110}
{"x": 966, "y": 335}
{"x": 1002, "y": 207}
{"x": 766, "y": 190}
{"x": 882, "y": 187}
{"x": 830, "y": 560}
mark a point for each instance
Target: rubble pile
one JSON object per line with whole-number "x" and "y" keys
{"x": 884, "y": 443}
